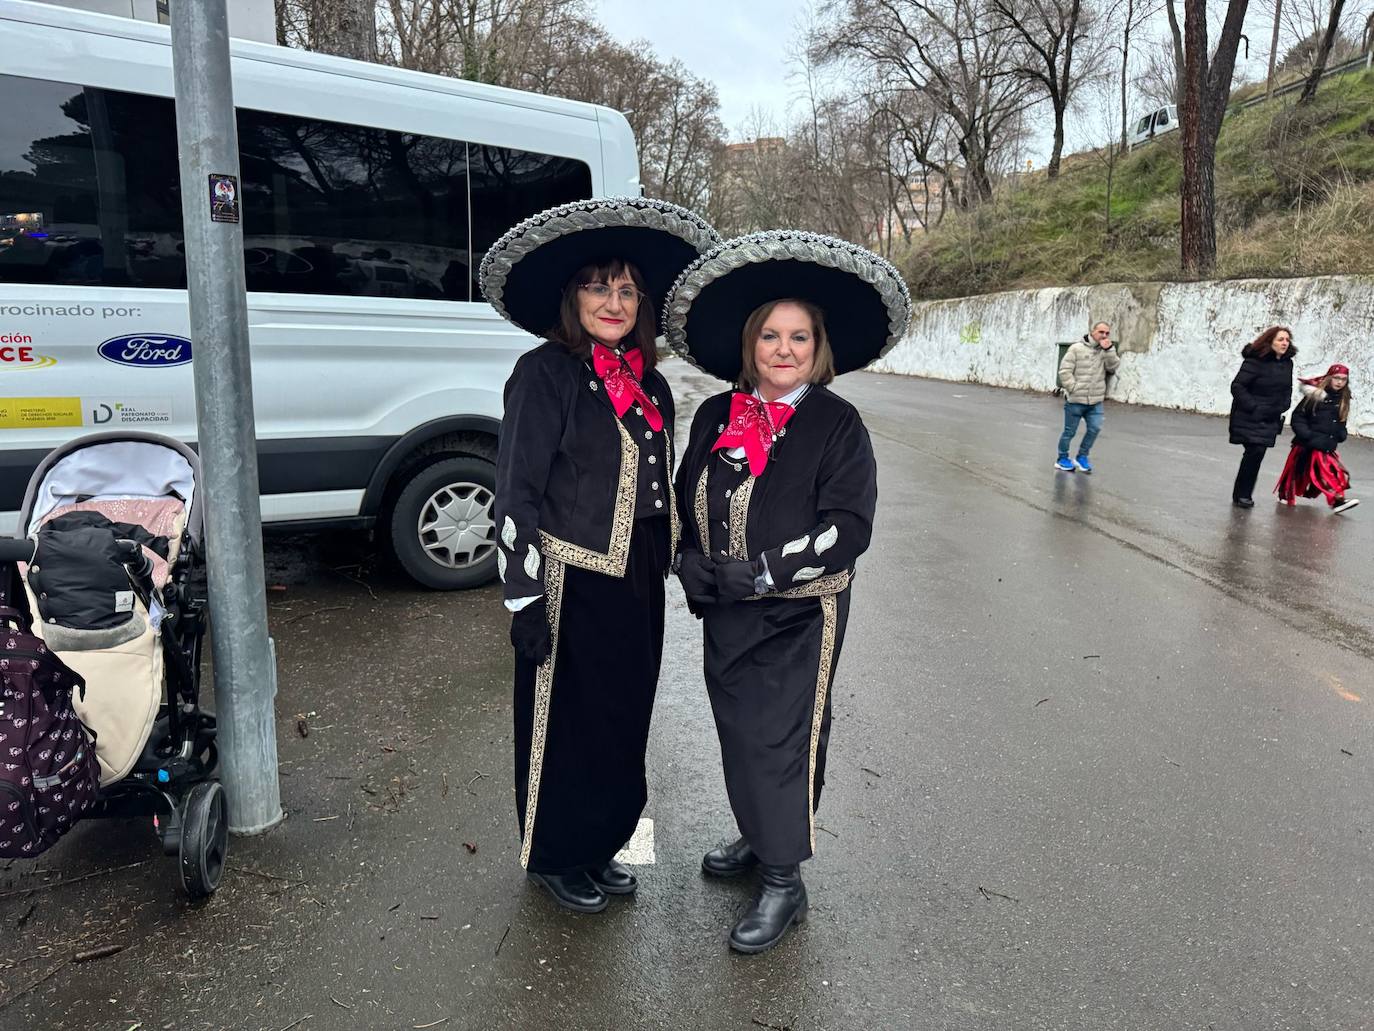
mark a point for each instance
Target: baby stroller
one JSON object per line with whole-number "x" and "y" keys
{"x": 112, "y": 521}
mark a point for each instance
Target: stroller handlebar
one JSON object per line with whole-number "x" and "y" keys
{"x": 16, "y": 549}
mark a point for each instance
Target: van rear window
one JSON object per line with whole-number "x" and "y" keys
{"x": 90, "y": 196}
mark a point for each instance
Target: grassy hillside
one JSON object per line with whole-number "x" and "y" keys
{"x": 1295, "y": 197}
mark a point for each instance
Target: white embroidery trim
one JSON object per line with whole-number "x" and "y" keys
{"x": 508, "y": 533}
{"x": 825, "y": 541}
{"x": 792, "y": 547}
{"x": 532, "y": 563}
{"x": 807, "y": 573}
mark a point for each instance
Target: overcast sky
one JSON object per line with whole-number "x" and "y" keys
{"x": 743, "y": 46}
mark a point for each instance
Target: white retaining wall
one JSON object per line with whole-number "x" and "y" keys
{"x": 1180, "y": 343}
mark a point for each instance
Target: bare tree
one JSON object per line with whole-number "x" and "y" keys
{"x": 1206, "y": 88}
{"x": 1050, "y": 32}
{"x": 954, "y": 52}
{"x": 347, "y": 28}
{"x": 1176, "y": 37}
{"x": 1135, "y": 12}
{"x": 1333, "y": 26}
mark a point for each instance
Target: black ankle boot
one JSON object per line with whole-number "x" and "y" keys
{"x": 575, "y": 891}
{"x": 779, "y": 903}
{"x": 729, "y": 860}
{"x": 613, "y": 878}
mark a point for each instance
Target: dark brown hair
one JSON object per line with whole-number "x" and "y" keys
{"x": 1263, "y": 345}
{"x": 823, "y": 361}
{"x": 573, "y": 335}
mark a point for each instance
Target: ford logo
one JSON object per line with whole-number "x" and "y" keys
{"x": 147, "y": 350}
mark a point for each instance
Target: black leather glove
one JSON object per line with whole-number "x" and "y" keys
{"x": 529, "y": 632}
{"x": 735, "y": 578}
{"x": 697, "y": 576}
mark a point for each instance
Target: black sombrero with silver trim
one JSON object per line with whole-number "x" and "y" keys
{"x": 524, "y": 273}
{"x": 865, "y": 301}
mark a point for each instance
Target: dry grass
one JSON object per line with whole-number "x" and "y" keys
{"x": 1295, "y": 197}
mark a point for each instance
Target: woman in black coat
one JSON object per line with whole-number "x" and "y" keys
{"x": 586, "y": 524}
{"x": 1261, "y": 392}
{"x": 777, "y": 490}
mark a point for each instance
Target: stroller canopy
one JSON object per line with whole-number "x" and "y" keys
{"x": 108, "y": 466}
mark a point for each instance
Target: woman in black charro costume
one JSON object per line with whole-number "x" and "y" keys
{"x": 777, "y": 489}
{"x": 586, "y": 522}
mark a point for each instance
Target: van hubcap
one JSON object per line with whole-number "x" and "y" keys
{"x": 456, "y": 526}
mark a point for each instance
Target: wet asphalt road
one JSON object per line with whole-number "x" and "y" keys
{"x": 1102, "y": 759}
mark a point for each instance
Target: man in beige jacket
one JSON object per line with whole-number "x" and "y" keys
{"x": 1083, "y": 375}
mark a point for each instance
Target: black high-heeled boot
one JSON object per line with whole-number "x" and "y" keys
{"x": 779, "y": 903}
{"x": 729, "y": 860}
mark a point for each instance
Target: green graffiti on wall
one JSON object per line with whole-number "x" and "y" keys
{"x": 972, "y": 333}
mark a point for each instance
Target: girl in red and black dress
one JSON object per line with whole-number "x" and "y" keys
{"x": 1313, "y": 468}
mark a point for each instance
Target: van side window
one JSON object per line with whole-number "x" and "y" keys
{"x": 511, "y": 185}
{"x": 90, "y": 195}
{"x": 1162, "y": 118}
{"x": 330, "y": 208}
{"x": 89, "y": 188}
{"x": 1144, "y": 125}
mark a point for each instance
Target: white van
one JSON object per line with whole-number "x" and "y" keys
{"x": 369, "y": 195}
{"x": 1156, "y": 123}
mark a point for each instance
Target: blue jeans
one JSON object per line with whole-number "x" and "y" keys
{"x": 1073, "y": 412}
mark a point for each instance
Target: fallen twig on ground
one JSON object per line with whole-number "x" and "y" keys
{"x": 34, "y": 984}
{"x": 502, "y": 941}
{"x": 441, "y": 1020}
{"x": 300, "y": 1020}
{"x": 315, "y": 612}
{"x": 336, "y": 1002}
{"x": 99, "y": 952}
{"x": 989, "y": 894}
{"x": 71, "y": 880}
{"x": 1042, "y": 701}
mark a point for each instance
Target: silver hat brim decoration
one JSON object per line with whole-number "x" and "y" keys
{"x": 534, "y": 232}
{"x": 786, "y": 245}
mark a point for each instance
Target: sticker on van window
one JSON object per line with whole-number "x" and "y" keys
{"x": 109, "y": 412}
{"x": 39, "y": 413}
{"x": 17, "y": 353}
{"x": 147, "y": 350}
{"x": 224, "y": 198}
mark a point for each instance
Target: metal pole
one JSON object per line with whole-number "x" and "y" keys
{"x": 245, "y": 673}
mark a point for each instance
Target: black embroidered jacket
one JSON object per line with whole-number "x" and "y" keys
{"x": 571, "y": 478}
{"x": 810, "y": 514}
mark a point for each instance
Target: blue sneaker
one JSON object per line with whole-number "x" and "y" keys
{"x": 1084, "y": 464}
{"x": 1065, "y": 466}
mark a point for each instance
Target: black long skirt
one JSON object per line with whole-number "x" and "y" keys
{"x": 769, "y": 667}
{"x": 592, "y": 718}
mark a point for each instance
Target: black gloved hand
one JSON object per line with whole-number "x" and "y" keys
{"x": 735, "y": 578}
{"x": 529, "y": 632}
{"x": 697, "y": 576}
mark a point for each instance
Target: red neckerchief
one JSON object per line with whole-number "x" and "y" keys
{"x": 621, "y": 373}
{"x": 753, "y": 425}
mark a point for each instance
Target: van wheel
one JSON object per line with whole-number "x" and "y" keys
{"x": 443, "y": 525}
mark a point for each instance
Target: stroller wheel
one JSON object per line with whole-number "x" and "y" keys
{"x": 204, "y": 839}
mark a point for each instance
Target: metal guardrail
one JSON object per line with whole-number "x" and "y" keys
{"x": 1365, "y": 60}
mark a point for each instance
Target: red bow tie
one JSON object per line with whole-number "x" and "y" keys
{"x": 621, "y": 374}
{"x": 753, "y": 425}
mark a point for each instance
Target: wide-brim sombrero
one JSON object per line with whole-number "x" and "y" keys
{"x": 524, "y": 273}
{"x": 863, "y": 297}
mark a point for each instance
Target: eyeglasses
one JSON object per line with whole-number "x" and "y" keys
{"x": 602, "y": 292}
